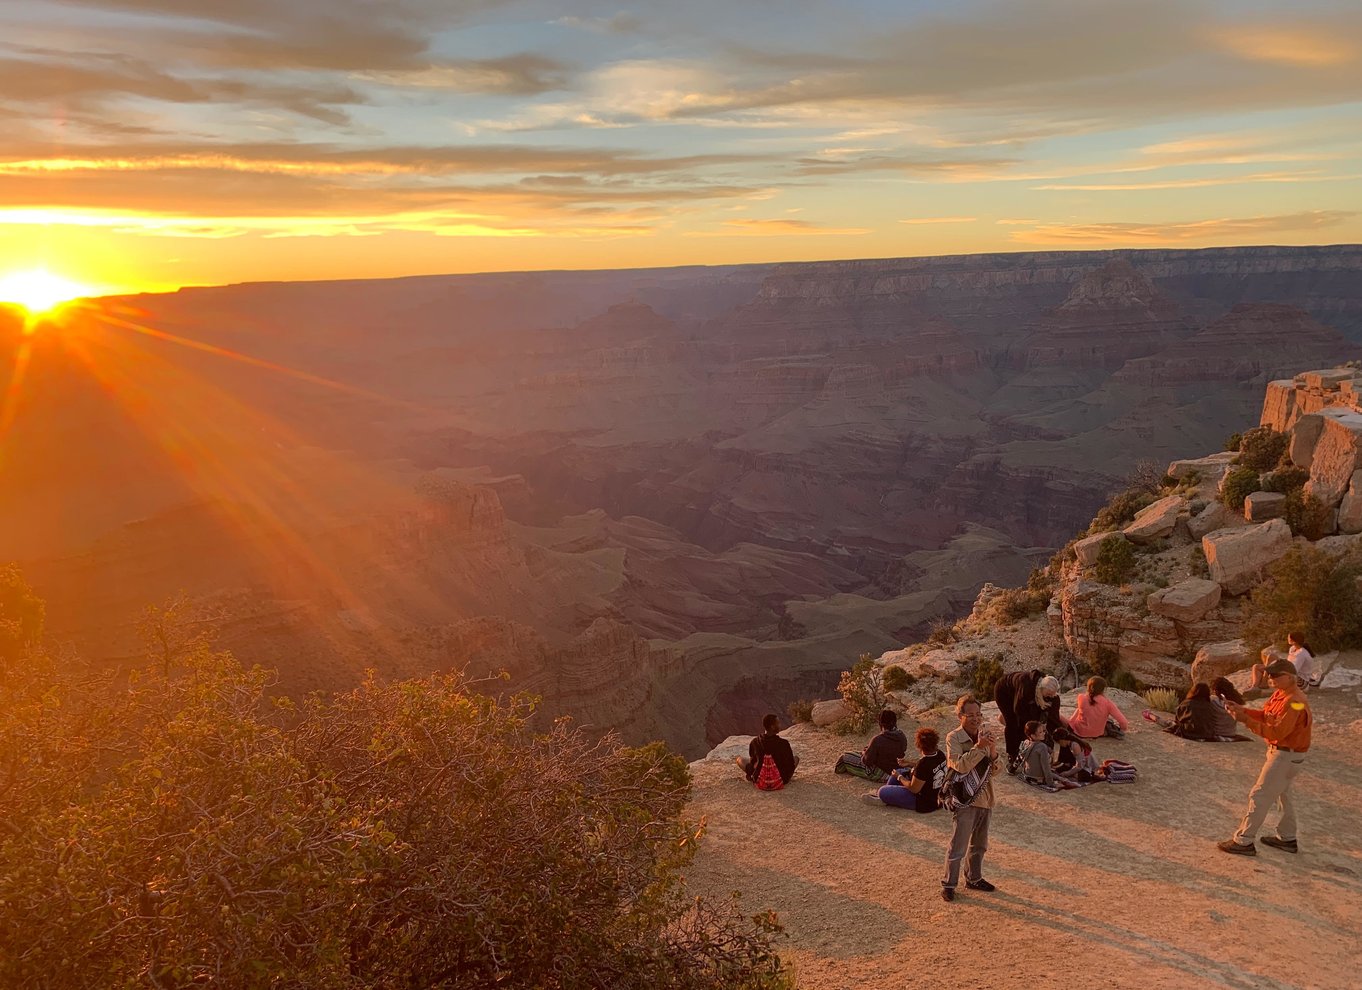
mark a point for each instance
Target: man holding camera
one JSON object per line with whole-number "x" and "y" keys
{"x": 1284, "y": 721}
{"x": 967, "y": 749}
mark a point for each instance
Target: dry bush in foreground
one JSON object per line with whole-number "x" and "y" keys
{"x": 187, "y": 831}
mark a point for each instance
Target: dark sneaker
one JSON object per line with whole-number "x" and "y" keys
{"x": 1013, "y": 765}
{"x": 980, "y": 884}
{"x": 1285, "y": 845}
{"x": 948, "y": 893}
{"x": 1230, "y": 846}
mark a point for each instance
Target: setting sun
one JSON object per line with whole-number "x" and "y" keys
{"x": 38, "y": 290}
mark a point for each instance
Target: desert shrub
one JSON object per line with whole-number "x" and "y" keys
{"x": 801, "y": 710}
{"x": 1041, "y": 582}
{"x": 941, "y": 633}
{"x": 1168, "y": 481}
{"x": 895, "y": 678}
{"x": 862, "y": 691}
{"x": 1285, "y": 479}
{"x": 1162, "y": 699}
{"x": 1240, "y": 483}
{"x": 1308, "y": 590}
{"x": 1235, "y": 441}
{"x": 1146, "y": 476}
{"x": 1105, "y": 661}
{"x": 1123, "y": 680}
{"x": 21, "y": 614}
{"x": 1262, "y": 448}
{"x": 1011, "y": 605}
{"x": 1115, "y": 561}
{"x": 985, "y": 676}
{"x": 1120, "y": 510}
{"x": 1307, "y": 516}
{"x": 1196, "y": 560}
{"x": 187, "y": 831}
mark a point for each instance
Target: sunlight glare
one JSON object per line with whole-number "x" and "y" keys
{"x": 39, "y": 291}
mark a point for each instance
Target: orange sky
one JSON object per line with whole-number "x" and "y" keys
{"x": 157, "y": 143}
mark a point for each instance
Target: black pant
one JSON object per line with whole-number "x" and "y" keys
{"x": 1014, "y": 731}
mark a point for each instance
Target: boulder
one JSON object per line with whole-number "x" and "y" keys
{"x": 826, "y": 713}
{"x": 1350, "y": 509}
{"x": 1326, "y": 379}
{"x": 1261, "y": 506}
{"x": 1221, "y": 659}
{"x": 1337, "y": 546}
{"x": 1335, "y": 457}
{"x": 1208, "y": 468}
{"x": 1304, "y": 437}
{"x": 941, "y": 664}
{"x": 1155, "y": 521}
{"x": 1090, "y": 546}
{"x": 1186, "y": 601}
{"x": 727, "y": 750}
{"x": 1237, "y": 557}
{"x": 1215, "y": 516}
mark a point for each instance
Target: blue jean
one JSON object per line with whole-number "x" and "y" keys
{"x": 898, "y": 796}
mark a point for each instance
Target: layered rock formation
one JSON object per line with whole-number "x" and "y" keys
{"x": 761, "y": 471}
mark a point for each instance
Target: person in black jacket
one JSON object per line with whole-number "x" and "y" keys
{"x": 1026, "y": 696}
{"x": 769, "y": 743}
{"x": 882, "y": 757}
{"x": 1197, "y": 716}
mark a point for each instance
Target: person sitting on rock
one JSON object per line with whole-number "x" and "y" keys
{"x": 1024, "y": 696}
{"x": 920, "y": 788}
{"x": 1036, "y": 760}
{"x": 1096, "y": 715}
{"x": 769, "y": 743}
{"x": 884, "y": 754}
{"x": 1073, "y": 759}
{"x": 1301, "y": 658}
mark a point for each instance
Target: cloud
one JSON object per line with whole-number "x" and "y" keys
{"x": 1218, "y": 230}
{"x": 928, "y": 220}
{"x": 1219, "y": 180}
{"x": 525, "y": 74}
{"x": 1287, "y": 44}
{"x": 784, "y": 227}
{"x": 621, "y": 23}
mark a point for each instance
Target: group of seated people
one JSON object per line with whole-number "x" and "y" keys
{"x": 1202, "y": 714}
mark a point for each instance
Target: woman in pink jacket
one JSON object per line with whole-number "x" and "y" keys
{"x": 1091, "y": 717}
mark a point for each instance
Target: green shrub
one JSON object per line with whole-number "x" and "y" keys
{"x": 1115, "y": 561}
{"x": 187, "y": 831}
{"x": 1162, "y": 699}
{"x": 1120, "y": 510}
{"x": 985, "y": 676}
{"x": 1124, "y": 680}
{"x": 1239, "y": 485}
{"x": 1262, "y": 448}
{"x": 1105, "y": 662}
{"x": 1310, "y": 591}
{"x": 1307, "y": 516}
{"x": 801, "y": 710}
{"x": 1013, "y": 604}
{"x": 1234, "y": 442}
{"x": 1285, "y": 479}
{"x": 862, "y": 691}
{"x": 895, "y": 678}
{"x": 21, "y": 614}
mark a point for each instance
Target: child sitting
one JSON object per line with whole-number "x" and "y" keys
{"x": 1073, "y": 758}
{"x": 1035, "y": 757}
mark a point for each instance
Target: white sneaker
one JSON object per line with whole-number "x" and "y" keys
{"x": 872, "y": 797}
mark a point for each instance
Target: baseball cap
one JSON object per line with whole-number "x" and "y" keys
{"x": 1279, "y": 667}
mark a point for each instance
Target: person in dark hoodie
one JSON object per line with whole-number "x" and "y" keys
{"x": 1197, "y": 716}
{"x": 769, "y": 743}
{"x": 882, "y": 757}
{"x": 1026, "y": 696}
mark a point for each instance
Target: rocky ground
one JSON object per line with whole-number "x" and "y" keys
{"x": 1109, "y": 885}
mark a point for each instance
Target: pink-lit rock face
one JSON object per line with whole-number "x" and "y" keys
{"x": 1335, "y": 455}
{"x": 1186, "y": 601}
{"x": 1237, "y": 557}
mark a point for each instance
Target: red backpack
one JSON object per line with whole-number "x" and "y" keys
{"x": 768, "y": 777}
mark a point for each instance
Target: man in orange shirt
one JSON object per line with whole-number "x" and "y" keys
{"x": 1285, "y": 723}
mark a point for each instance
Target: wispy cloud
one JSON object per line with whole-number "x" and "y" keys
{"x": 929, "y": 220}
{"x": 1217, "y": 230}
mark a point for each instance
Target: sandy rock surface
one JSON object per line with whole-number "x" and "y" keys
{"x": 1122, "y": 883}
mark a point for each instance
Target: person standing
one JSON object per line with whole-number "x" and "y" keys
{"x": 1025, "y": 696}
{"x": 970, "y": 748}
{"x": 1284, "y": 721}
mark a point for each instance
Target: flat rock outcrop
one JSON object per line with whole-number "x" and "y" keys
{"x": 1155, "y": 521}
{"x": 1186, "y": 601}
{"x": 1221, "y": 659}
{"x": 1237, "y": 557}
